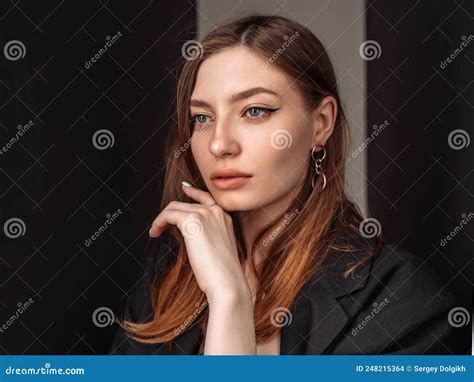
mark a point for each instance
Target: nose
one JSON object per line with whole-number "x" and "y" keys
{"x": 223, "y": 141}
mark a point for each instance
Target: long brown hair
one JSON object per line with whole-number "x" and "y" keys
{"x": 314, "y": 221}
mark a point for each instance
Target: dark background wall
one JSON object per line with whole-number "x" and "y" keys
{"x": 422, "y": 180}
{"x": 58, "y": 183}
{"x": 62, "y": 187}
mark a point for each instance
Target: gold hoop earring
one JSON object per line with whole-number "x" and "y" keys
{"x": 317, "y": 166}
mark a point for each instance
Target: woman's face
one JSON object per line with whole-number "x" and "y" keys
{"x": 249, "y": 117}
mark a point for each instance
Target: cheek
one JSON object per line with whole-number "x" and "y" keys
{"x": 283, "y": 159}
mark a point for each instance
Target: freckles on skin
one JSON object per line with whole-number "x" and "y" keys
{"x": 273, "y": 149}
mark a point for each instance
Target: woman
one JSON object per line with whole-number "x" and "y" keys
{"x": 263, "y": 253}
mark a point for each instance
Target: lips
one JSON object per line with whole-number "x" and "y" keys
{"x": 228, "y": 173}
{"x": 230, "y": 183}
{"x": 229, "y": 179}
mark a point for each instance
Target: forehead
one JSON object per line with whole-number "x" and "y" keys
{"x": 236, "y": 69}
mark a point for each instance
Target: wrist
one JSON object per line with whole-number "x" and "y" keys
{"x": 230, "y": 296}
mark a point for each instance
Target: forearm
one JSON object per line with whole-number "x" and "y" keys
{"x": 231, "y": 328}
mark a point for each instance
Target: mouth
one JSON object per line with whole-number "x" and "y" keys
{"x": 230, "y": 182}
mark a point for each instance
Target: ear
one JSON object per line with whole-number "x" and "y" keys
{"x": 324, "y": 118}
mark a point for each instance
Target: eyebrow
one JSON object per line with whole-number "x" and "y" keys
{"x": 236, "y": 97}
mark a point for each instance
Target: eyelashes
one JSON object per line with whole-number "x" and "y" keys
{"x": 195, "y": 119}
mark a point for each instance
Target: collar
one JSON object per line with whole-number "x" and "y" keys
{"x": 318, "y": 317}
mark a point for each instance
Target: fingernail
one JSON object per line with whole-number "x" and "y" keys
{"x": 186, "y": 184}
{"x": 149, "y": 232}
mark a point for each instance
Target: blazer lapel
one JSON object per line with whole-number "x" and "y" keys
{"x": 317, "y": 315}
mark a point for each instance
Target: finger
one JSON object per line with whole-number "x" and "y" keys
{"x": 163, "y": 221}
{"x": 195, "y": 193}
{"x": 156, "y": 230}
{"x": 168, "y": 216}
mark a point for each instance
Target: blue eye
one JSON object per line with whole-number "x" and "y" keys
{"x": 200, "y": 119}
{"x": 255, "y": 112}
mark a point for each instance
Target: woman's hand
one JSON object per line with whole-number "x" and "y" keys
{"x": 210, "y": 242}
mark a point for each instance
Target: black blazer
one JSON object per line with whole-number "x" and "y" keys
{"x": 397, "y": 304}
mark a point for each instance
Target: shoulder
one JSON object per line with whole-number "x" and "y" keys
{"x": 397, "y": 303}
